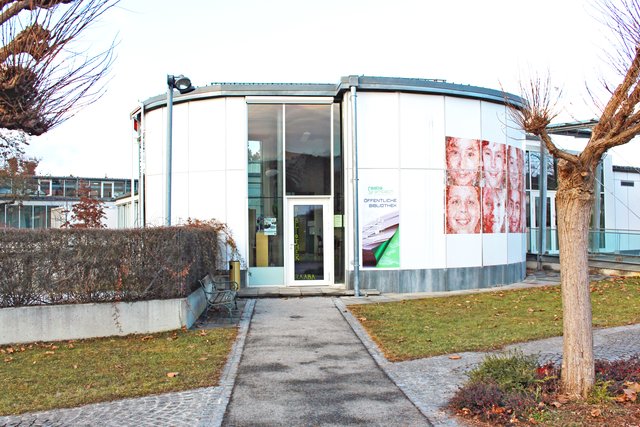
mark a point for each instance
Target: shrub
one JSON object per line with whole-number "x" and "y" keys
{"x": 511, "y": 371}
{"x": 617, "y": 372}
{"x": 478, "y": 399}
{"x": 55, "y": 266}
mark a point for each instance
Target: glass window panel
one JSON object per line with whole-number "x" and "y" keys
{"x": 94, "y": 189}
{"x": 534, "y": 164}
{"x": 552, "y": 173}
{"x": 26, "y": 216}
{"x": 5, "y": 186}
{"x": 71, "y": 187}
{"x": 57, "y": 187}
{"x": 107, "y": 189}
{"x": 44, "y": 187}
{"x": 265, "y": 232}
{"x": 528, "y": 209}
{"x": 39, "y": 217}
{"x": 527, "y": 182}
{"x": 308, "y": 242}
{"x": 265, "y": 148}
{"x": 119, "y": 188}
{"x": 13, "y": 216}
{"x": 308, "y": 149}
{"x": 338, "y": 198}
{"x": 265, "y": 175}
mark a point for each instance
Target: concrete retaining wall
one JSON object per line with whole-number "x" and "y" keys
{"x": 76, "y": 321}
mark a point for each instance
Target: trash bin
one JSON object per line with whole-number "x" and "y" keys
{"x": 234, "y": 271}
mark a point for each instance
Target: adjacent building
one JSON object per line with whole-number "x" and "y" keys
{"x": 46, "y": 200}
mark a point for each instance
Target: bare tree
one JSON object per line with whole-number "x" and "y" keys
{"x": 619, "y": 122}
{"x": 44, "y": 75}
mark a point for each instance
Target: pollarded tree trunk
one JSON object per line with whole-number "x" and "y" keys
{"x": 574, "y": 200}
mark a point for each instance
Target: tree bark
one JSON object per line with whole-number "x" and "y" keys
{"x": 574, "y": 200}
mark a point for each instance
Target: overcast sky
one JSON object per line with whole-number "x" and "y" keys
{"x": 489, "y": 43}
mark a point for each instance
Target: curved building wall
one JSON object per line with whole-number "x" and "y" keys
{"x": 406, "y": 245}
{"x": 209, "y": 178}
{"x": 402, "y": 161}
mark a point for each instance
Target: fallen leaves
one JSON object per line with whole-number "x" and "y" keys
{"x": 630, "y": 393}
{"x": 455, "y": 357}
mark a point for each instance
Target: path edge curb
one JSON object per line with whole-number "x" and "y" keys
{"x": 215, "y": 414}
{"x": 379, "y": 358}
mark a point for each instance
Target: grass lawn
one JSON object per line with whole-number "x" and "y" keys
{"x": 43, "y": 376}
{"x": 412, "y": 329}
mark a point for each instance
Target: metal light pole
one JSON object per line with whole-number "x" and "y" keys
{"x": 183, "y": 84}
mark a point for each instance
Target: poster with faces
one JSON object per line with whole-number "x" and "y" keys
{"x": 485, "y": 187}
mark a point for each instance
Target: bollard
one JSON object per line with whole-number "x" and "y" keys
{"x": 234, "y": 271}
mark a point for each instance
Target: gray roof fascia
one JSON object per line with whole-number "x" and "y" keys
{"x": 218, "y": 90}
{"x": 435, "y": 87}
{"x": 383, "y": 84}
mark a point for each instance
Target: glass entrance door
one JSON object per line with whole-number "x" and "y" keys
{"x": 310, "y": 241}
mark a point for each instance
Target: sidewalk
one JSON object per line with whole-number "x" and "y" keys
{"x": 302, "y": 365}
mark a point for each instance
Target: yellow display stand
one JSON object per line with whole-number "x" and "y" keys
{"x": 262, "y": 250}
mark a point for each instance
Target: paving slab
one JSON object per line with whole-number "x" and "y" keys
{"x": 303, "y": 365}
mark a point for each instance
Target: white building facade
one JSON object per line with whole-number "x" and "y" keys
{"x": 280, "y": 164}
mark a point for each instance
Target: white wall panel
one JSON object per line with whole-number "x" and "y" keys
{"x": 494, "y": 122}
{"x": 154, "y": 194}
{"x": 154, "y": 135}
{"x": 378, "y": 138}
{"x": 462, "y": 118}
{"x": 179, "y": 198}
{"x": 421, "y": 129}
{"x": 207, "y": 135}
{"x": 207, "y": 195}
{"x": 516, "y": 246}
{"x": 464, "y": 250}
{"x": 236, "y": 133}
{"x": 515, "y": 134}
{"x": 494, "y": 249}
{"x": 413, "y": 224}
{"x": 180, "y": 140}
{"x": 434, "y": 255}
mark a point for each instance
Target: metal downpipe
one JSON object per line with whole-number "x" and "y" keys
{"x": 356, "y": 222}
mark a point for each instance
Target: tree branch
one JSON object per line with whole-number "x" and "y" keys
{"x": 18, "y": 6}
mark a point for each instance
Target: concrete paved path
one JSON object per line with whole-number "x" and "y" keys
{"x": 303, "y": 365}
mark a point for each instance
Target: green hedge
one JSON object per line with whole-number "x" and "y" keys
{"x": 67, "y": 266}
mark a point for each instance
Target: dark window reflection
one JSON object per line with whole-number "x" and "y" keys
{"x": 308, "y": 150}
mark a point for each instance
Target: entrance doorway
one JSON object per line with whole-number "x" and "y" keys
{"x": 310, "y": 253}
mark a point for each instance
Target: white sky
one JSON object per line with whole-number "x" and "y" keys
{"x": 485, "y": 43}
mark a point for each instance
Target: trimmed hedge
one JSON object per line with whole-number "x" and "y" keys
{"x": 67, "y": 266}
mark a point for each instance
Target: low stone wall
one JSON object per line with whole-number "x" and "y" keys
{"x": 76, "y": 321}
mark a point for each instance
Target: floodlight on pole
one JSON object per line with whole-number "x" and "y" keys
{"x": 183, "y": 85}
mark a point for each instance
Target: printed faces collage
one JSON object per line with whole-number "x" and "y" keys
{"x": 485, "y": 187}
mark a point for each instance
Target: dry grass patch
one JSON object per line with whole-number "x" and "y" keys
{"x": 414, "y": 329}
{"x": 43, "y": 376}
